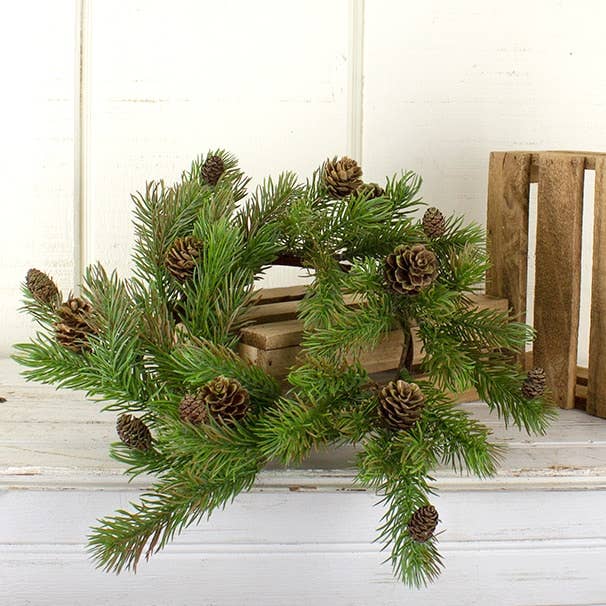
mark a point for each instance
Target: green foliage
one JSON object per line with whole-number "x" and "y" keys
{"x": 156, "y": 339}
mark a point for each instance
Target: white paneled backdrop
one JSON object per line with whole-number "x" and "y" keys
{"x": 100, "y": 95}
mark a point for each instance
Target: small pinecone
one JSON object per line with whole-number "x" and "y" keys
{"x": 212, "y": 169}
{"x": 422, "y": 523}
{"x": 434, "y": 224}
{"x": 534, "y": 384}
{"x": 370, "y": 190}
{"x": 342, "y": 177}
{"x": 182, "y": 257}
{"x": 74, "y": 327}
{"x": 42, "y": 287}
{"x": 133, "y": 432}
{"x": 193, "y": 408}
{"x": 401, "y": 404}
{"x": 409, "y": 269}
{"x": 225, "y": 398}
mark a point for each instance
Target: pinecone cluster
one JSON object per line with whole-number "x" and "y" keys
{"x": 434, "y": 224}
{"x": 133, "y": 432}
{"x": 534, "y": 384}
{"x": 422, "y": 523}
{"x": 182, "y": 257}
{"x": 401, "y": 404}
{"x": 342, "y": 177}
{"x": 74, "y": 325}
{"x": 410, "y": 269}
{"x": 212, "y": 169}
{"x": 222, "y": 398}
{"x": 42, "y": 287}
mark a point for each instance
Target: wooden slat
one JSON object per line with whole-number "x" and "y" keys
{"x": 507, "y": 229}
{"x": 276, "y": 335}
{"x": 558, "y": 272}
{"x": 596, "y": 394}
{"x": 277, "y": 295}
{"x": 590, "y": 160}
{"x": 279, "y": 311}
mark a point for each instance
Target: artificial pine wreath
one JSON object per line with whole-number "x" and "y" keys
{"x": 160, "y": 348}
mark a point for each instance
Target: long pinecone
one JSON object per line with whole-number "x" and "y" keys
{"x": 74, "y": 325}
{"x": 182, "y": 257}
{"x": 225, "y": 399}
{"x": 342, "y": 177}
{"x": 422, "y": 523}
{"x": 409, "y": 269}
{"x": 212, "y": 169}
{"x": 193, "y": 408}
{"x": 534, "y": 384}
{"x": 42, "y": 287}
{"x": 134, "y": 432}
{"x": 401, "y": 404}
{"x": 434, "y": 224}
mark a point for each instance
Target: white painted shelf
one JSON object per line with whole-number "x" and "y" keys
{"x": 533, "y": 535}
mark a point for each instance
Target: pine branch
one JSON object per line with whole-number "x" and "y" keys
{"x": 120, "y": 541}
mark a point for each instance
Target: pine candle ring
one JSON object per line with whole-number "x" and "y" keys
{"x": 163, "y": 348}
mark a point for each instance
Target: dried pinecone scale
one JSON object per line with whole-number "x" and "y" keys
{"x": 534, "y": 384}
{"x": 342, "y": 177}
{"x": 410, "y": 269}
{"x": 423, "y": 523}
{"x": 222, "y": 398}
{"x": 401, "y": 404}
{"x": 434, "y": 224}
{"x": 42, "y": 287}
{"x": 212, "y": 169}
{"x": 182, "y": 257}
{"x": 193, "y": 408}
{"x": 74, "y": 325}
{"x": 133, "y": 432}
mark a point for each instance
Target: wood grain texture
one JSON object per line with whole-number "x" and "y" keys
{"x": 37, "y": 105}
{"x": 558, "y": 272}
{"x": 171, "y": 80}
{"x": 535, "y": 552}
{"x": 596, "y": 384}
{"x": 507, "y": 228}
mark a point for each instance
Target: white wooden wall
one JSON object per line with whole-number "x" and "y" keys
{"x": 100, "y": 95}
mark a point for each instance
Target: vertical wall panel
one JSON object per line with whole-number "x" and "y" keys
{"x": 445, "y": 83}
{"x": 38, "y": 50}
{"x": 168, "y": 80}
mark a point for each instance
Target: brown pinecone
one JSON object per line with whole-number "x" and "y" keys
{"x": 422, "y": 523}
{"x": 74, "y": 325}
{"x": 409, "y": 269}
{"x": 342, "y": 177}
{"x": 193, "y": 408}
{"x": 212, "y": 169}
{"x": 401, "y": 404}
{"x": 134, "y": 432}
{"x": 434, "y": 224}
{"x": 182, "y": 257}
{"x": 534, "y": 384}
{"x": 42, "y": 287}
{"x": 370, "y": 190}
{"x": 225, "y": 399}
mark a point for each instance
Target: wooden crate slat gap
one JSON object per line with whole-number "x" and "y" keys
{"x": 560, "y": 175}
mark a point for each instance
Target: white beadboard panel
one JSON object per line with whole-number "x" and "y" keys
{"x": 38, "y": 50}
{"x": 447, "y": 82}
{"x": 166, "y": 81}
{"x": 314, "y": 518}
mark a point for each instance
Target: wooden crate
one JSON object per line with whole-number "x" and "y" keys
{"x": 560, "y": 178}
{"x": 272, "y": 340}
